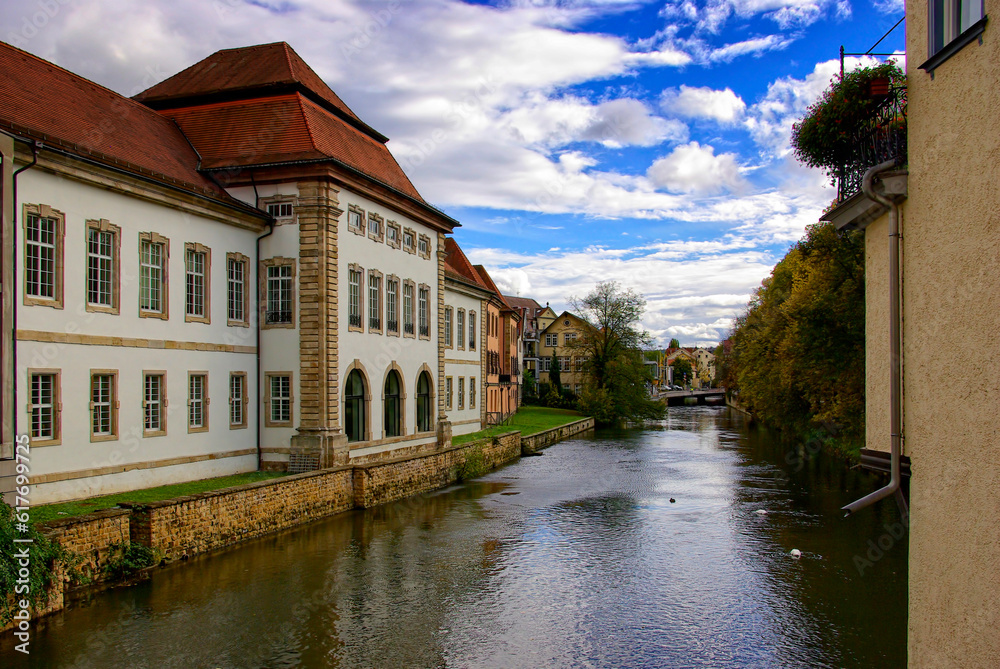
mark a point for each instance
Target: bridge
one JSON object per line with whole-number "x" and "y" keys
{"x": 682, "y": 397}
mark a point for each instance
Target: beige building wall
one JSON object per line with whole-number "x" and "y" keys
{"x": 877, "y": 372}
{"x": 951, "y": 320}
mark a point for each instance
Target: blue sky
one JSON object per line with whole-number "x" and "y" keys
{"x": 576, "y": 140}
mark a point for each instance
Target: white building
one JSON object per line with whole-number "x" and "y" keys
{"x": 145, "y": 232}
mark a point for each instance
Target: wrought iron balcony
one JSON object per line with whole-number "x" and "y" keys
{"x": 354, "y": 320}
{"x": 880, "y": 139}
{"x": 392, "y": 326}
{"x": 408, "y": 328}
{"x": 374, "y": 323}
{"x": 425, "y": 331}
{"x": 278, "y": 317}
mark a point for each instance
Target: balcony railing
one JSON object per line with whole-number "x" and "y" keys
{"x": 392, "y": 326}
{"x": 374, "y": 323}
{"x": 354, "y": 320}
{"x": 278, "y": 317}
{"x": 882, "y": 138}
{"x": 425, "y": 331}
{"x": 408, "y": 328}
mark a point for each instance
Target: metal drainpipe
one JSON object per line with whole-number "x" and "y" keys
{"x": 35, "y": 146}
{"x": 894, "y": 351}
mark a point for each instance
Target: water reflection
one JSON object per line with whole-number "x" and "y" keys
{"x": 576, "y": 558}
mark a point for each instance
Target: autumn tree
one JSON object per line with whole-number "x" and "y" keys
{"x": 612, "y": 346}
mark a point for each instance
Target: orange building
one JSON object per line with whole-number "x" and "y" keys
{"x": 502, "y": 335}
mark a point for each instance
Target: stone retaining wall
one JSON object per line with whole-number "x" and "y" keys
{"x": 540, "y": 440}
{"x": 91, "y": 537}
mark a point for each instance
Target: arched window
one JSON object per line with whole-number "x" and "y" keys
{"x": 354, "y": 407}
{"x": 424, "y": 402}
{"x": 392, "y": 413}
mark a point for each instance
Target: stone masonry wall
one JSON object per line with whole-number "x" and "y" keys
{"x": 90, "y": 536}
{"x": 210, "y": 520}
{"x": 537, "y": 442}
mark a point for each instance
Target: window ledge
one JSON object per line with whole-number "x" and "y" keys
{"x": 951, "y": 48}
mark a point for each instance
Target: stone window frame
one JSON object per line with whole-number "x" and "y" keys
{"x": 265, "y": 203}
{"x": 244, "y": 399}
{"x": 392, "y": 278}
{"x": 276, "y": 261}
{"x": 268, "y": 422}
{"x": 115, "y": 405}
{"x": 164, "y": 312}
{"x": 358, "y": 229}
{"x": 378, "y": 236}
{"x": 56, "y": 438}
{"x": 472, "y": 392}
{"x": 362, "y": 287}
{"x": 206, "y": 400}
{"x": 472, "y": 330}
{"x": 448, "y": 327}
{"x": 432, "y": 409}
{"x": 412, "y": 248}
{"x": 195, "y": 247}
{"x": 234, "y": 256}
{"x": 103, "y": 225}
{"x": 426, "y": 311}
{"x": 162, "y": 432}
{"x": 460, "y": 324}
{"x": 393, "y": 367}
{"x": 379, "y": 297}
{"x": 427, "y": 240}
{"x": 393, "y": 225}
{"x": 449, "y": 391}
{"x": 45, "y": 211}
{"x": 460, "y": 393}
{"x": 412, "y": 313}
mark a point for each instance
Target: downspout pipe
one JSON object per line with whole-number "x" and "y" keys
{"x": 895, "y": 409}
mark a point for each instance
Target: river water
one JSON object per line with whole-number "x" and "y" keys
{"x": 637, "y": 548}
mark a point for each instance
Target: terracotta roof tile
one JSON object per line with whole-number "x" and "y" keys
{"x": 459, "y": 265}
{"x": 63, "y": 109}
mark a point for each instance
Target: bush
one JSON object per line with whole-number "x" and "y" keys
{"x": 127, "y": 558}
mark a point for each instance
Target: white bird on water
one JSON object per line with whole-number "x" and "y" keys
{"x": 761, "y": 512}
{"x": 796, "y": 553}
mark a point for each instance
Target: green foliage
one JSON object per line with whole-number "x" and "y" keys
{"x": 127, "y": 558}
{"x": 45, "y": 559}
{"x": 683, "y": 371}
{"x": 528, "y": 420}
{"x": 474, "y": 465}
{"x": 612, "y": 348}
{"x": 528, "y": 383}
{"x": 674, "y": 343}
{"x": 826, "y": 136}
{"x": 555, "y": 376}
{"x": 799, "y": 350}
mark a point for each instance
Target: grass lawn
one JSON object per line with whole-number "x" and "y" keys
{"x": 40, "y": 514}
{"x": 528, "y": 419}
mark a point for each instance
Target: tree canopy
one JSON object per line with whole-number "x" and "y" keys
{"x": 683, "y": 371}
{"x": 612, "y": 345}
{"x": 674, "y": 343}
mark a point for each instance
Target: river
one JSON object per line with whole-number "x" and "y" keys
{"x": 633, "y": 548}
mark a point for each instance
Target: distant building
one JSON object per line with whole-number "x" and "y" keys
{"x": 503, "y": 354}
{"x": 557, "y": 337}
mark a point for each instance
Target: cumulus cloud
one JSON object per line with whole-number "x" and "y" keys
{"x": 626, "y": 121}
{"x": 755, "y": 46}
{"x": 724, "y": 106}
{"x": 693, "y": 168}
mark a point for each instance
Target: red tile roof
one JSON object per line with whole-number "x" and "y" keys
{"x": 457, "y": 264}
{"x": 488, "y": 280}
{"x": 284, "y": 128}
{"x": 46, "y": 102}
{"x": 530, "y": 305}
{"x": 242, "y": 70}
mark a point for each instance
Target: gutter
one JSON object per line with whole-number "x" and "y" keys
{"x": 895, "y": 410}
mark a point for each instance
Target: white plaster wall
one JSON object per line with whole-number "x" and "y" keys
{"x": 80, "y": 202}
{"x": 376, "y": 352}
{"x": 463, "y": 362}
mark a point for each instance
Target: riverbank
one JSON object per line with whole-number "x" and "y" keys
{"x": 179, "y": 528}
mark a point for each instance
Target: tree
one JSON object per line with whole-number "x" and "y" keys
{"x": 528, "y": 383}
{"x": 683, "y": 371}
{"x": 555, "y": 378}
{"x": 674, "y": 343}
{"x": 612, "y": 345}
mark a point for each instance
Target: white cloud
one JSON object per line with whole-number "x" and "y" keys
{"x": 724, "y": 106}
{"x": 755, "y": 46}
{"x": 693, "y": 168}
{"x": 626, "y": 121}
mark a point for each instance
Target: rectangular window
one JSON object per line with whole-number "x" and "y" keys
{"x": 552, "y": 339}
{"x": 44, "y": 407}
{"x": 447, "y": 392}
{"x": 408, "y": 309}
{"x": 424, "y": 306}
{"x": 564, "y": 363}
{"x": 447, "y": 327}
{"x": 281, "y": 211}
{"x": 355, "y": 220}
{"x": 461, "y": 328}
{"x": 237, "y": 400}
{"x": 392, "y": 305}
{"x": 392, "y": 234}
{"x": 153, "y": 254}
{"x": 569, "y": 336}
{"x": 279, "y": 292}
{"x": 153, "y": 404}
{"x": 546, "y": 364}
{"x": 409, "y": 241}
{"x": 461, "y": 392}
{"x": 424, "y": 246}
{"x": 102, "y": 266}
{"x": 374, "y": 226}
{"x": 197, "y": 402}
{"x": 103, "y": 405}
{"x": 472, "y": 392}
{"x": 374, "y": 301}
{"x": 197, "y": 270}
{"x": 472, "y": 330}
{"x": 354, "y": 275}
{"x": 950, "y": 18}
{"x": 279, "y": 399}
{"x": 237, "y": 297}
{"x": 43, "y": 255}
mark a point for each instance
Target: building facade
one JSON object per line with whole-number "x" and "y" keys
{"x": 557, "y": 337}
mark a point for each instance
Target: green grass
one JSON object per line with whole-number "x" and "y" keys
{"x": 40, "y": 514}
{"x": 528, "y": 419}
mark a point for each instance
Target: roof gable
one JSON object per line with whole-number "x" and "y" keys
{"x": 456, "y": 263}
